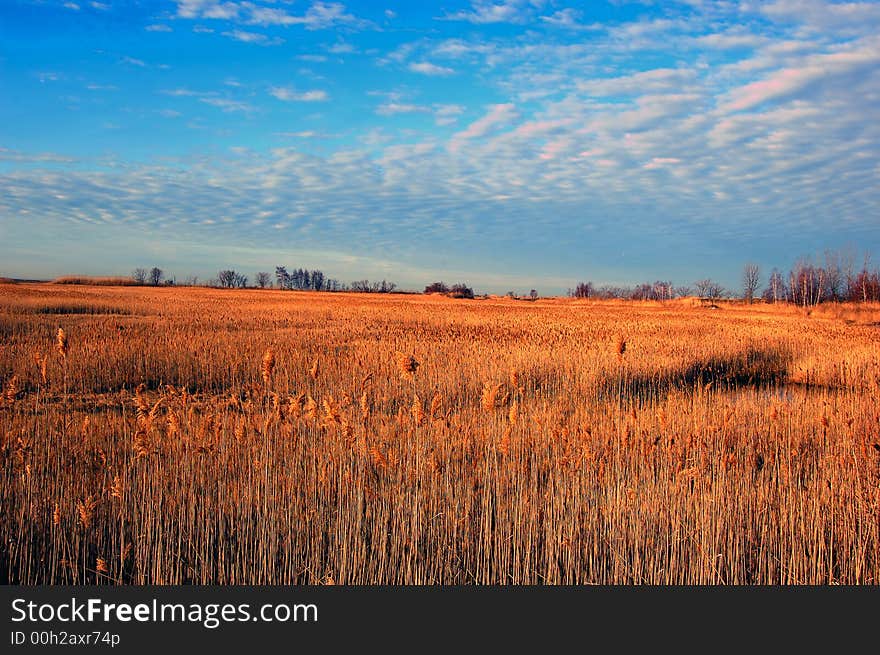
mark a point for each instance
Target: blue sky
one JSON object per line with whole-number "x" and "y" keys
{"x": 511, "y": 144}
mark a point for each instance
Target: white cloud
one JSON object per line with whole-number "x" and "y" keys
{"x": 487, "y": 11}
{"x": 158, "y": 27}
{"x": 326, "y": 15}
{"x": 341, "y": 49}
{"x": 227, "y": 105}
{"x": 730, "y": 40}
{"x": 253, "y": 37}
{"x": 393, "y": 108}
{"x": 499, "y": 114}
{"x": 568, "y": 19}
{"x": 427, "y": 68}
{"x": 306, "y": 134}
{"x": 182, "y": 92}
{"x": 290, "y": 95}
{"x": 215, "y": 9}
{"x": 447, "y": 114}
{"x": 655, "y": 80}
{"x": 319, "y": 16}
{"x": 812, "y": 70}
{"x": 821, "y": 16}
{"x": 7, "y": 154}
{"x": 661, "y": 162}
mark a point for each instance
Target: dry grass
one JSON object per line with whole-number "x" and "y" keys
{"x": 207, "y": 436}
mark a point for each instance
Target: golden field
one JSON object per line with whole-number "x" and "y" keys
{"x": 173, "y": 435}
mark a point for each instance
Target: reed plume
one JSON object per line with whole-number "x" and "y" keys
{"x": 620, "y": 346}
{"x": 436, "y": 407}
{"x": 311, "y": 407}
{"x": 116, "y": 488}
{"x": 295, "y": 404}
{"x": 514, "y": 378}
{"x": 61, "y": 343}
{"x": 40, "y": 359}
{"x": 489, "y": 397}
{"x": 364, "y": 407}
{"x": 86, "y": 510}
{"x": 11, "y": 391}
{"x": 142, "y": 405}
{"x": 418, "y": 412}
{"x": 504, "y": 444}
{"x": 268, "y": 367}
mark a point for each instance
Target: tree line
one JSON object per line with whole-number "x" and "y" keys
{"x": 459, "y": 290}
{"x": 835, "y": 279}
{"x": 299, "y": 279}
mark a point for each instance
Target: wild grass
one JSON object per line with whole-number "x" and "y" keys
{"x": 235, "y": 437}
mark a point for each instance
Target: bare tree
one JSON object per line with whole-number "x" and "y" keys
{"x": 582, "y": 290}
{"x": 776, "y": 289}
{"x": 662, "y": 290}
{"x": 807, "y": 283}
{"x": 751, "y": 278}
{"x": 139, "y": 275}
{"x": 834, "y": 274}
{"x": 264, "y": 280}
{"x": 226, "y": 278}
{"x": 156, "y": 275}
{"x": 709, "y": 289}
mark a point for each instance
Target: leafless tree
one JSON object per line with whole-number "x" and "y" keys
{"x": 156, "y": 275}
{"x": 834, "y": 274}
{"x": 227, "y": 278}
{"x": 264, "y": 280}
{"x": 139, "y": 275}
{"x": 807, "y": 283}
{"x": 709, "y": 289}
{"x": 751, "y": 278}
{"x": 775, "y": 291}
{"x": 582, "y": 290}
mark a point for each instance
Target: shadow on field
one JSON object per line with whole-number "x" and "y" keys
{"x": 752, "y": 368}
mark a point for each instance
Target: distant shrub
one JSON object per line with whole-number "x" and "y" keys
{"x": 461, "y": 291}
{"x": 436, "y": 287}
{"x": 96, "y": 281}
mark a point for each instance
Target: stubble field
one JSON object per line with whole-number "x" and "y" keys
{"x": 170, "y": 436}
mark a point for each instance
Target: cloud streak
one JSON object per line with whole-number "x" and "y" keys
{"x": 287, "y": 94}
